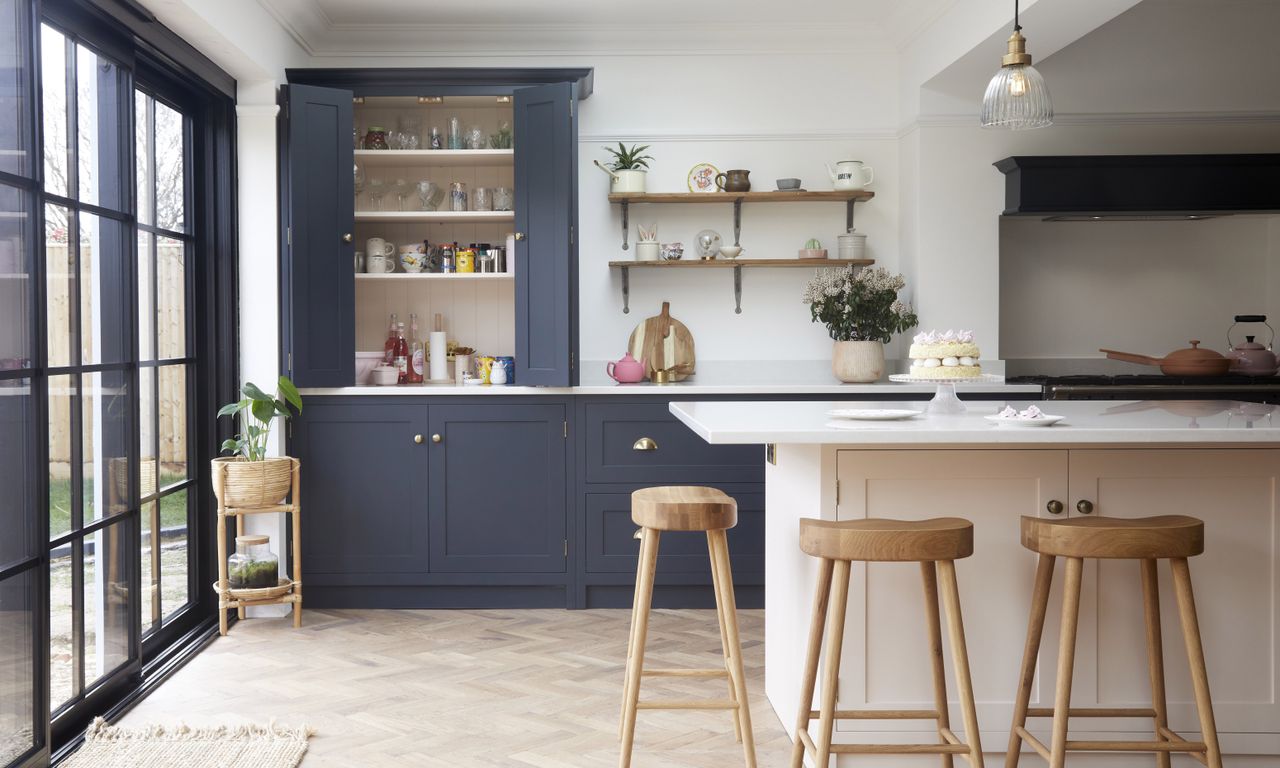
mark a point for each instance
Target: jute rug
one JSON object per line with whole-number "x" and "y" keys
{"x": 244, "y": 746}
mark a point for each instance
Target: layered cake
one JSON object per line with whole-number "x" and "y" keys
{"x": 944, "y": 355}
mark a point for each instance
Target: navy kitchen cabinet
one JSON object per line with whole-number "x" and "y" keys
{"x": 363, "y": 491}
{"x": 498, "y": 490}
{"x": 318, "y": 284}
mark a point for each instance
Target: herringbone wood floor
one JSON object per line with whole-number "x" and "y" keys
{"x": 466, "y": 689}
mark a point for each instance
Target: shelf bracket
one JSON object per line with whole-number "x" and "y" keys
{"x": 626, "y": 289}
{"x": 626, "y": 230}
{"x": 737, "y": 290}
{"x": 848, "y": 216}
{"x": 737, "y": 221}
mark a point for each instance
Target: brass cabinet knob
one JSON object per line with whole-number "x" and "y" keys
{"x": 436, "y": 438}
{"x": 519, "y": 235}
{"x": 1084, "y": 507}
{"x": 1054, "y": 506}
{"x": 417, "y": 439}
{"x": 346, "y": 238}
{"x": 644, "y": 444}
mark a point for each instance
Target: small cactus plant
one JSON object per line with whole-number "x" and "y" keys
{"x": 812, "y": 244}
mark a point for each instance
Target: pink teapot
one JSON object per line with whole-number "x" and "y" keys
{"x": 1251, "y": 358}
{"x": 628, "y": 370}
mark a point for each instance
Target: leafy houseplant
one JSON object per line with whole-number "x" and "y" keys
{"x": 628, "y": 167}
{"x": 250, "y": 478}
{"x": 862, "y": 311}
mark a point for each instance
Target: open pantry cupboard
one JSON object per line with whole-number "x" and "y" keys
{"x": 339, "y": 193}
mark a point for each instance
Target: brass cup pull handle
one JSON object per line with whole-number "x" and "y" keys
{"x": 417, "y": 439}
{"x": 436, "y": 438}
{"x": 346, "y": 238}
{"x": 1084, "y": 507}
{"x": 519, "y": 235}
{"x": 644, "y": 444}
{"x": 1054, "y": 507}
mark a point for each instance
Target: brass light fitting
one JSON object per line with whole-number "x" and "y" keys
{"x": 1017, "y": 50}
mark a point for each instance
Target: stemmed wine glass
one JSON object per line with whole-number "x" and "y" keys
{"x": 431, "y": 195}
{"x": 360, "y": 181}
{"x": 400, "y": 189}
{"x": 377, "y": 188}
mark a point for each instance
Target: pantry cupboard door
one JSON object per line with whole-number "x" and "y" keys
{"x": 318, "y": 189}
{"x": 1236, "y": 583}
{"x": 885, "y": 662}
{"x": 546, "y": 172}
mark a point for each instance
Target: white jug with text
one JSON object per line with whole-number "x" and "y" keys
{"x": 851, "y": 175}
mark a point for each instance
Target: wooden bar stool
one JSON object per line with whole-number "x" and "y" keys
{"x": 685, "y": 508}
{"x": 1171, "y": 537}
{"x": 936, "y": 545}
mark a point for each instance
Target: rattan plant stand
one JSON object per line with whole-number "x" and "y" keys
{"x": 289, "y": 590}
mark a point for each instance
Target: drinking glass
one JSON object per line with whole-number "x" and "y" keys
{"x": 411, "y": 129}
{"x": 502, "y": 199}
{"x": 359, "y": 180}
{"x": 401, "y": 188}
{"x": 377, "y": 188}
{"x": 458, "y": 196}
{"x": 455, "y": 133}
{"x": 431, "y": 195}
{"x": 476, "y": 138}
{"x": 482, "y": 199}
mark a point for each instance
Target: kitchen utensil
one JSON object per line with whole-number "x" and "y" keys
{"x": 788, "y": 184}
{"x": 735, "y": 180}
{"x": 1249, "y": 357}
{"x": 873, "y": 414}
{"x": 511, "y": 367}
{"x": 707, "y": 244}
{"x": 430, "y": 194}
{"x": 628, "y": 370}
{"x": 944, "y": 399}
{"x": 384, "y": 375}
{"x": 624, "y": 182}
{"x": 1024, "y": 421}
{"x": 730, "y": 251}
{"x": 458, "y": 196}
{"x": 1191, "y": 361}
{"x": 455, "y": 134}
{"x": 359, "y": 261}
{"x": 461, "y": 367}
{"x": 648, "y": 251}
{"x": 484, "y": 368}
{"x": 498, "y": 371}
{"x": 851, "y": 175}
{"x": 852, "y": 245}
{"x": 672, "y": 251}
{"x": 664, "y": 343}
{"x": 702, "y": 178}
{"x": 482, "y": 199}
{"x": 379, "y": 264}
{"x": 413, "y": 257}
{"x": 376, "y": 246}
{"x": 503, "y": 199}
{"x": 476, "y": 138}
{"x": 376, "y": 189}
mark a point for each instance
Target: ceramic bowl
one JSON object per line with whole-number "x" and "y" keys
{"x": 788, "y": 183}
{"x": 384, "y": 375}
{"x": 730, "y": 251}
{"x": 813, "y": 253}
{"x": 412, "y": 261}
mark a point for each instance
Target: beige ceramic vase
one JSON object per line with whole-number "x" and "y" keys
{"x": 858, "y": 362}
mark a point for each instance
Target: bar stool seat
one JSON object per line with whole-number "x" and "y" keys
{"x": 881, "y": 540}
{"x": 1161, "y": 537}
{"x": 683, "y": 508}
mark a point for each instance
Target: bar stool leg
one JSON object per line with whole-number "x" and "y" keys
{"x": 929, "y": 572}
{"x": 1066, "y": 660}
{"x": 736, "y": 671}
{"x": 631, "y": 637}
{"x": 960, "y": 658}
{"x": 648, "y": 565}
{"x": 831, "y": 672}
{"x": 717, "y": 582}
{"x": 1195, "y": 654}
{"x": 809, "y": 681}
{"x": 1035, "y": 631}
{"x": 1155, "y": 653}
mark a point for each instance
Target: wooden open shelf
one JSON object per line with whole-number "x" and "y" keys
{"x": 412, "y": 276}
{"x": 474, "y": 217}
{"x": 725, "y": 263}
{"x": 426, "y": 158}
{"x": 772, "y": 196}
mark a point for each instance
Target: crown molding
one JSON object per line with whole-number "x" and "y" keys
{"x": 1106, "y": 118}
{"x": 790, "y": 137}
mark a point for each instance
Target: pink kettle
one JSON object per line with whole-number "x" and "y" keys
{"x": 628, "y": 370}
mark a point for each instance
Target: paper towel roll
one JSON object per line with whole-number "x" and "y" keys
{"x": 439, "y": 352}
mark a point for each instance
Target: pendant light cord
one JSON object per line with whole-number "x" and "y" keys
{"x": 1016, "y": 26}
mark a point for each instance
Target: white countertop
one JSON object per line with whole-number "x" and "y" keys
{"x": 714, "y": 377}
{"x": 1087, "y": 422}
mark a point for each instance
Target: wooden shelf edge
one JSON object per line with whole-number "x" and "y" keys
{"x": 726, "y": 263}
{"x": 375, "y": 277}
{"x": 771, "y": 196}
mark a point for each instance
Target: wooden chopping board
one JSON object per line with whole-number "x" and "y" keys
{"x": 663, "y": 342}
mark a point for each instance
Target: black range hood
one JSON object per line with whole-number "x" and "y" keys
{"x": 1091, "y": 187}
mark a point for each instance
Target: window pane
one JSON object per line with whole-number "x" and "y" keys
{"x": 60, "y": 290}
{"x": 106, "y": 600}
{"x": 142, "y": 152}
{"x": 61, "y": 658}
{"x": 146, "y": 297}
{"x": 173, "y": 424}
{"x": 105, "y": 444}
{"x": 15, "y": 282}
{"x": 170, "y": 169}
{"x": 15, "y": 140}
{"x": 171, "y": 298}
{"x": 104, "y": 291}
{"x": 174, "y": 582}
{"x": 17, "y": 666}
{"x": 150, "y": 566}
{"x": 53, "y": 85}
{"x": 147, "y": 430}
{"x": 100, "y": 114}
{"x": 17, "y": 502}
{"x": 61, "y": 392}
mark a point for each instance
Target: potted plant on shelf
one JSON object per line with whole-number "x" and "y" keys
{"x": 862, "y": 311}
{"x": 628, "y": 169}
{"x": 250, "y": 477}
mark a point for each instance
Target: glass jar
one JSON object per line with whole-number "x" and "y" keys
{"x": 482, "y": 199}
{"x": 502, "y": 199}
{"x": 376, "y": 138}
{"x": 254, "y": 565}
{"x": 466, "y": 260}
{"x": 458, "y": 196}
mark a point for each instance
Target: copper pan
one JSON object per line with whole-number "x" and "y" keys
{"x": 1191, "y": 361}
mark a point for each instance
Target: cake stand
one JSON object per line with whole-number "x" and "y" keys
{"x": 944, "y": 400}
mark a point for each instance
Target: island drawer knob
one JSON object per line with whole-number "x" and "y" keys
{"x": 1084, "y": 507}
{"x": 1054, "y": 506}
{"x": 644, "y": 444}
{"x": 417, "y": 439}
{"x": 436, "y": 438}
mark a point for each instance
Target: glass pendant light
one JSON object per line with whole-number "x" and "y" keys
{"x": 1017, "y": 97}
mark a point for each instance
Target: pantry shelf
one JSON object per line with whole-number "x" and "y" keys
{"x": 736, "y": 265}
{"x": 412, "y": 276}
{"x": 428, "y": 158}
{"x": 475, "y": 217}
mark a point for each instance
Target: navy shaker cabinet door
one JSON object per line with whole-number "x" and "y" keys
{"x": 546, "y": 272}
{"x": 318, "y": 316}
{"x": 363, "y": 490}
{"x": 498, "y": 501}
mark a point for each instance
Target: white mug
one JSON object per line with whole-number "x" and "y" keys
{"x": 377, "y": 264}
{"x": 376, "y": 246}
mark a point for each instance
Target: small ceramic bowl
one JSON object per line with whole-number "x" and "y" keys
{"x": 672, "y": 252}
{"x": 788, "y": 183}
{"x": 385, "y": 376}
{"x": 813, "y": 253}
{"x": 412, "y": 261}
{"x": 730, "y": 251}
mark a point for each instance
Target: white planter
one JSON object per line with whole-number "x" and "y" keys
{"x": 627, "y": 181}
{"x": 858, "y": 362}
{"x": 648, "y": 251}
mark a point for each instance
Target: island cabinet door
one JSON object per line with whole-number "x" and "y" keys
{"x": 1236, "y": 583}
{"x": 885, "y": 663}
{"x": 363, "y": 484}
{"x": 498, "y": 481}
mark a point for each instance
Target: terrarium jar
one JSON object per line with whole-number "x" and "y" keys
{"x": 254, "y": 565}
{"x": 376, "y": 138}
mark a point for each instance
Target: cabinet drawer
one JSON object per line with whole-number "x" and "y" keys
{"x": 680, "y": 456}
{"x": 611, "y": 546}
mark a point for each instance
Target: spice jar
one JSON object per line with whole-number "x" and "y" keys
{"x": 376, "y": 138}
{"x": 253, "y": 566}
